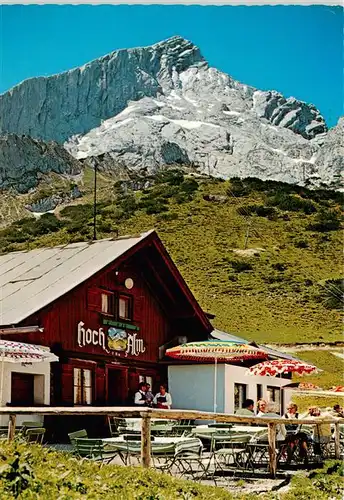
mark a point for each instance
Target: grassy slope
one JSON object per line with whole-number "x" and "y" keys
{"x": 201, "y": 239}
{"x": 332, "y": 366}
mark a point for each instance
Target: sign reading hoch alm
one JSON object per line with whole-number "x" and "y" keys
{"x": 130, "y": 343}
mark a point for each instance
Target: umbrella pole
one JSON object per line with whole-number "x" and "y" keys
{"x": 215, "y": 386}
{"x": 2, "y": 380}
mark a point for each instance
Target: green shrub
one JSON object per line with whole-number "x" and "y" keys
{"x": 167, "y": 216}
{"x": 237, "y": 188}
{"x": 155, "y": 207}
{"x": 47, "y": 223}
{"x": 164, "y": 191}
{"x": 301, "y": 244}
{"x": 30, "y": 471}
{"x": 180, "y": 198}
{"x": 273, "y": 278}
{"x": 333, "y": 293}
{"x": 173, "y": 177}
{"x": 78, "y": 212}
{"x": 239, "y": 266}
{"x": 279, "y": 266}
{"x": 325, "y": 220}
{"x": 189, "y": 186}
{"x": 291, "y": 203}
{"x": 128, "y": 204}
{"x": 259, "y": 210}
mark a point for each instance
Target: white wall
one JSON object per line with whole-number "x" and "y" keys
{"x": 236, "y": 375}
{"x": 41, "y": 387}
{"x": 192, "y": 386}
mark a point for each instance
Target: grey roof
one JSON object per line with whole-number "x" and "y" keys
{"x": 273, "y": 353}
{"x": 30, "y": 280}
{"x": 277, "y": 354}
{"x": 219, "y": 335}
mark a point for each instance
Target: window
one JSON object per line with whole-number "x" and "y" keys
{"x": 82, "y": 386}
{"x": 259, "y": 392}
{"x": 239, "y": 395}
{"x": 101, "y": 301}
{"x": 274, "y": 395}
{"x": 125, "y": 309}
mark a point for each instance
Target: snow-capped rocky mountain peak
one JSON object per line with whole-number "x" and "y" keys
{"x": 163, "y": 104}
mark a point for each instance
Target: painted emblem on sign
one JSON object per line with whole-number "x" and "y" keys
{"x": 117, "y": 339}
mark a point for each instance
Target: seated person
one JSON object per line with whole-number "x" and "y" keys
{"x": 321, "y": 432}
{"x": 337, "y": 411}
{"x": 294, "y": 436}
{"x": 261, "y": 407}
{"x": 163, "y": 399}
{"x": 272, "y": 411}
{"x": 247, "y": 408}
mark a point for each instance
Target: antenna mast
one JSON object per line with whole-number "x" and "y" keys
{"x": 95, "y": 203}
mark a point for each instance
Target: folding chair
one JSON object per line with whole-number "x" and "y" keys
{"x": 229, "y": 452}
{"x": 77, "y": 434}
{"x": 116, "y": 425}
{"x": 35, "y": 435}
{"x": 95, "y": 449}
{"x": 188, "y": 460}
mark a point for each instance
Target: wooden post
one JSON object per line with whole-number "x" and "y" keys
{"x": 146, "y": 441}
{"x": 337, "y": 440}
{"x": 11, "y": 427}
{"x": 272, "y": 449}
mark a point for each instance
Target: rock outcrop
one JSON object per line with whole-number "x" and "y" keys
{"x": 148, "y": 107}
{"x": 23, "y": 160}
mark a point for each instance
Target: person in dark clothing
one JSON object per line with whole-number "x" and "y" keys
{"x": 163, "y": 399}
{"x": 247, "y": 408}
{"x": 140, "y": 396}
{"x": 294, "y": 437}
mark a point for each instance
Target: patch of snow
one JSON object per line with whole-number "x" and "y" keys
{"x": 174, "y": 95}
{"x": 111, "y": 124}
{"x": 160, "y": 104}
{"x": 184, "y": 77}
{"x": 158, "y": 118}
{"x": 189, "y": 124}
{"x": 234, "y": 113}
{"x": 178, "y": 108}
{"x": 188, "y": 51}
{"x": 192, "y": 101}
{"x": 37, "y": 215}
{"x": 128, "y": 110}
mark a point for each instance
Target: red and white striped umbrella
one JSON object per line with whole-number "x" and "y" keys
{"x": 19, "y": 352}
{"x": 280, "y": 366}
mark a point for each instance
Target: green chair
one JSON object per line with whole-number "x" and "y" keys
{"x": 29, "y": 425}
{"x": 188, "y": 461}
{"x": 77, "y": 434}
{"x": 95, "y": 449}
{"x": 116, "y": 426}
{"x": 229, "y": 452}
{"x": 35, "y": 435}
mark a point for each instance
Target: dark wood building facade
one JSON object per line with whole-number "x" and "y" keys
{"x": 111, "y": 330}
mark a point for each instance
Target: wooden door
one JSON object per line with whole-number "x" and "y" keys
{"x": 117, "y": 386}
{"x": 22, "y": 389}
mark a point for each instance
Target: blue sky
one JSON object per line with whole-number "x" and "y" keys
{"x": 293, "y": 49}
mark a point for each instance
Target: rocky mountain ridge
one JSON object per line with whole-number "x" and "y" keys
{"x": 163, "y": 105}
{"x": 23, "y": 160}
